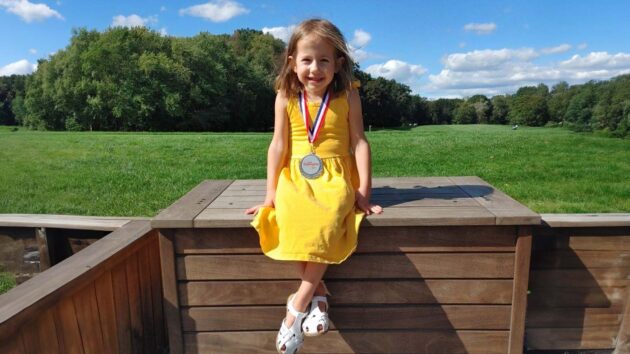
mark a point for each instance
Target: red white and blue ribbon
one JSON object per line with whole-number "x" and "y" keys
{"x": 313, "y": 131}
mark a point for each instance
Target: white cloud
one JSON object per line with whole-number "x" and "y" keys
{"x": 466, "y": 74}
{"x": 481, "y": 28}
{"x": 361, "y": 38}
{"x": 216, "y": 11}
{"x": 562, "y": 48}
{"x": 582, "y": 46}
{"x": 359, "y": 55}
{"x": 163, "y": 32}
{"x": 487, "y": 59}
{"x": 132, "y": 21}
{"x": 20, "y": 67}
{"x": 29, "y": 11}
{"x": 32, "y": 51}
{"x": 397, "y": 70}
{"x": 281, "y": 33}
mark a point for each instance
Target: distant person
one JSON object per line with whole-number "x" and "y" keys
{"x": 318, "y": 173}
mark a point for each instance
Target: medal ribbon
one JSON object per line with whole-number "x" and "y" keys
{"x": 313, "y": 131}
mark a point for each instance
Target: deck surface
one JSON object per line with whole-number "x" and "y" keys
{"x": 407, "y": 201}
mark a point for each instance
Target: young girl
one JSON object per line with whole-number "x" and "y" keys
{"x": 318, "y": 173}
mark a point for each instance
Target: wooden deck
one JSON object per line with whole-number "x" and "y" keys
{"x": 445, "y": 269}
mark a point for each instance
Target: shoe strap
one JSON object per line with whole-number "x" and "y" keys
{"x": 320, "y": 299}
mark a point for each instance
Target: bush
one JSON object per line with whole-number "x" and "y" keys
{"x": 7, "y": 282}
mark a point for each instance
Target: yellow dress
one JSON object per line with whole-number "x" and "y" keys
{"x": 314, "y": 220}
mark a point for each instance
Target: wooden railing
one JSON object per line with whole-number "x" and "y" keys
{"x": 105, "y": 299}
{"x": 579, "y": 283}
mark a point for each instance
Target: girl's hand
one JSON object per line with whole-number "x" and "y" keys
{"x": 269, "y": 202}
{"x": 363, "y": 203}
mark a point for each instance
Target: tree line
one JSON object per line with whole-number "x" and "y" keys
{"x": 137, "y": 80}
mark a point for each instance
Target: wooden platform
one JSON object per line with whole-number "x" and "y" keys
{"x": 443, "y": 269}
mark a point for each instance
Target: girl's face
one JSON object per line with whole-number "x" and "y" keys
{"x": 315, "y": 64}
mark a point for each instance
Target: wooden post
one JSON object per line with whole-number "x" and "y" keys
{"x": 519, "y": 292}
{"x": 169, "y": 287}
{"x": 42, "y": 243}
{"x": 622, "y": 343}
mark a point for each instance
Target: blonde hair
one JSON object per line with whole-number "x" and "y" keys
{"x": 287, "y": 81}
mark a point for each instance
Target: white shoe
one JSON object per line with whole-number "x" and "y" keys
{"x": 291, "y": 338}
{"x": 316, "y": 323}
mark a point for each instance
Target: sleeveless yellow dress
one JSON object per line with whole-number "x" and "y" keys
{"x": 314, "y": 220}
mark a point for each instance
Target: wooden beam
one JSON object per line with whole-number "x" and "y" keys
{"x": 169, "y": 288}
{"x": 519, "y": 294}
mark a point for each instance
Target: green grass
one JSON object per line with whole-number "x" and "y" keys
{"x": 7, "y": 282}
{"x": 137, "y": 174}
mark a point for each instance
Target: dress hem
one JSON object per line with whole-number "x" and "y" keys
{"x": 307, "y": 258}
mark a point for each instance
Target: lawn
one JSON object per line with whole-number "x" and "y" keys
{"x": 551, "y": 170}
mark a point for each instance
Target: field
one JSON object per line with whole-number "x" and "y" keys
{"x": 551, "y": 170}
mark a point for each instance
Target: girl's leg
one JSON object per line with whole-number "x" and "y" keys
{"x": 321, "y": 289}
{"x": 311, "y": 280}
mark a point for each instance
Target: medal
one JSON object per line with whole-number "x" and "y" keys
{"x": 311, "y": 165}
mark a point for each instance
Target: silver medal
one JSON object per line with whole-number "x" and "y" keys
{"x": 311, "y": 166}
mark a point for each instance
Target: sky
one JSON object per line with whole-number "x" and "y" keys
{"x": 438, "y": 48}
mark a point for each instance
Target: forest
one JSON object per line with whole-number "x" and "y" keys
{"x": 135, "y": 79}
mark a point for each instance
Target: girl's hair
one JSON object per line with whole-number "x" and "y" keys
{"x": 288, "y": 83}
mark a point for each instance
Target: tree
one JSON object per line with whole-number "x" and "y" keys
{"x": 500, "y": 110}
{"x": 483, "y": 108}
{"x": 465, "y": 113}
{"x": 529, "y": 106}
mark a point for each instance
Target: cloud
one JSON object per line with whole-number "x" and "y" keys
{"x": 481, "y": 28}
{"x": 506, "y": 70}
{"x": 281, "y": 33}
{"x": 487, "y": 59}
{"x": 20, "y": 67}
{"x": 215, "y": 11}
{"x": 29, "y": 11}
{"x": 32, "y": 51}
{"x": 582, "y": 46}
{"x": 361, "y": 38}
{"x": 163, "y": 32}
{"x": 397, "y": 70}
{"x": 132, "y": 21}
{"x": 562, "y": 48}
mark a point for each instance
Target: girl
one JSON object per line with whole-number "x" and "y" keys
{"x": 313, "y": 180}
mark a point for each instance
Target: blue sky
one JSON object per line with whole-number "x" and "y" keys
{"x": 438, "y": 48}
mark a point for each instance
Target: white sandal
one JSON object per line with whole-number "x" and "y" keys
{"x": 316, "y": 319}
{"x": 292, "y": 337}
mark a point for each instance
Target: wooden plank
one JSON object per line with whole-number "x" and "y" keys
{"x": 107, "y": 313}
{"x": 121, "y": 305}
{"x": 442, "y": 291}
{"x": 576, "y": 297}
{"x": 135, "y": 303}
{"x": 40, "y": 337}
{"x": 169, "y": 290}
{"x": 580, "y": 259}
{"x": 382, "y": 239}
{"x": 44, "y": 290}
{"x": 156, "y": 292}
{"x": 573, "y": 317}
{"x": 507, "y": 210}
{"x": 13, "y": 346}
{"x": 146, "y": 301}
{"x": 77, "y": 222}
{"x": 586, "y": 220}
{"x": 519, "y": 293}
{"x": 42, "y": 243}
{"x": 362, "y": 266}
{"x": 257, "y": 318}
{"x": 417, "y": 341}
{"x": 600, "y": 243}
{"x": 414, "y": 190}
{"x": 622, "y": 344}
{"x": 67, "y": 327}
{"x": 86, "y": 309}
{"x": 385, "y": 200}
{"x": 594, "y": 277}
{"x": 412, "y": 216}
{"x": 571, "y": 338}
{"x": 182, "y": 212}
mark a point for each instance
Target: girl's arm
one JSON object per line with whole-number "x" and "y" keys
{"x": 362, "y": 154}
{"x": 277, "y": 152}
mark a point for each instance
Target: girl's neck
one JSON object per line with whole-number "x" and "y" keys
{"x": 315, "y": 96}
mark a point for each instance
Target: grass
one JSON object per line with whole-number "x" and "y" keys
{"x": 7, "y": 282}
{"x": 136, "y": 174}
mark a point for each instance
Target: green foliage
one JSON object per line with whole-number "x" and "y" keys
{"x": 7, "y": 281}
{"x": 500, "y": 109}
{"x": 529, "y": 106}
{"x": 465, "y": 113}
{"x": 11, "y": 87}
